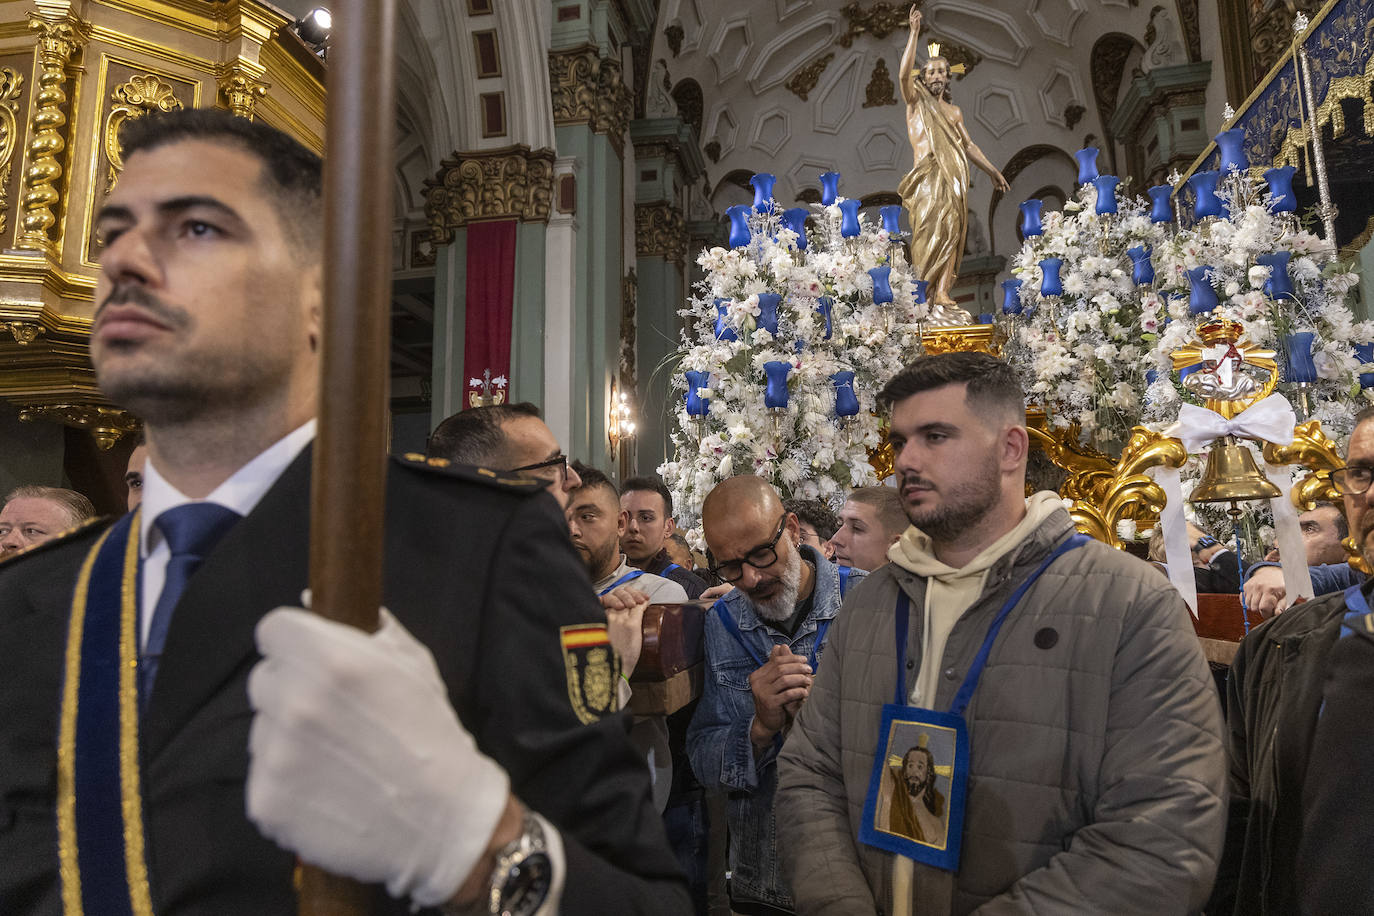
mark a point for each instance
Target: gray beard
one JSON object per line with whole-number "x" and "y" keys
{"x": 784, "y": 604}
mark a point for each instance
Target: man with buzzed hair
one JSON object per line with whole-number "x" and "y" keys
{"x": 648, "y": 506}
{"x": 1094, "y": 777}
{"x": 871, "y": 521}
{"x": 506, "y": 437}
{"x": 33, "y": 514}
{"x": 763, "y": 644}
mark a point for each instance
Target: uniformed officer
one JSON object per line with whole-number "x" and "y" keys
{"x": 464, "y": 753}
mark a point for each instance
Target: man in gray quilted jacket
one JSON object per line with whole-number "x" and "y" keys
{"x": 1096, "y": 777}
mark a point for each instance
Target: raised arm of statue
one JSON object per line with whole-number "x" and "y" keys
{"x": 907, "y": 68}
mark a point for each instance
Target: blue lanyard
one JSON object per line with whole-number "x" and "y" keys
{"x": 669, "y": 568}
{"x": 975, "y": 671}
{"x": 629, "y": 576}
{"x": 728, "y": 621}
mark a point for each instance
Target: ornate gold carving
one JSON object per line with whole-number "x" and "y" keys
{"x": 58, "y": 41}
{"x": 24, "y": 332}
{"x": 660, "y": 232}
{"x": 1101, "y": 499}
{"x": 106, "y": 424}
{"x": 804, "y": 80}
{"x": 133, "y": 99}
{"x": 508, "y": 183}
{"x": 588, "y": 89}
{"x": 1311, "y": 449}
{"x": 240, "y": 91}
{"x": 979, "y": 338}
{"x": 10, "y": 85}
{"x": 880, "y": 89}
{"x": 879, "y": 20}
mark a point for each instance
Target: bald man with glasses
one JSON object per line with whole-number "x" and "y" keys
{"x": 764, "y": 642}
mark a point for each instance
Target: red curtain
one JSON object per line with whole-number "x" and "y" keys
{"x": 490, "y": 298}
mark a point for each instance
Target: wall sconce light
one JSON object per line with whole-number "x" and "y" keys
{"x": 621, "y": 422}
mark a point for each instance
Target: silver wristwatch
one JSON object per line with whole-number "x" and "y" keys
{"x": 523, "y": 874}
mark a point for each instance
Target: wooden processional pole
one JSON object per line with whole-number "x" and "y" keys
{"x": 349, "y": 475}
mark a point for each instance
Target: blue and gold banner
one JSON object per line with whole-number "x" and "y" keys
{"x": 99, "y": 803}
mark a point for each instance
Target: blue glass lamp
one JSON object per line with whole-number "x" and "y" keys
{"x": 740, "y": 235}
{"x": 768, "y": 312}
{"x": 846, "y": 403}
{"x": 830, "y": 187}
{"x": 1087, "y": 164}
{"x": 775, "y": 391}
{"x": 1050, "y": 283}
{"x": 763, "y": 191}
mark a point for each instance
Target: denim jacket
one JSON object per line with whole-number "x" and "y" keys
{"x": 718, "y": 740}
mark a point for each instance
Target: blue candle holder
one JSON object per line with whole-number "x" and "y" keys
{"x": 1299, "y": 367}
{"x": 985, "y": 318}
{"x": 697, "y": 406}
{"x": 1142, "y": 267}
{"x": 849, "y": 218}
{"x": 918, "y": 291}
{"x": 768, "y": 312}
{"x": 1202, "y": 298}
{"x": 795, "y": 219}
{"x": 1365, "y": 353}
{"x": 775, "y": 391}
{"x": 1030, "y": 217}
{"x": 1204, "y": 185}
{"x": 1011, "y": 296}
{"x": 1106, "y": 193}
{"x": 763, "y": 191}
{"x": 1279, "y": 285}
{"x": 740, "y": 235}
{"x": 830, "y": 187}
{"x": 846, "y": 402}
{"x": 882, "y": 284}
{"x": 892, "y": 219}
{"x": 1050, "y": 284}
{"x": 826, "y": 306}
{"x": 1231, "y": 143}
{"x": 723, "y": 329}
{"x": 1161, "y": 211}
{"x": 1087, "y": 164}
{"x": 1280, "y": 181}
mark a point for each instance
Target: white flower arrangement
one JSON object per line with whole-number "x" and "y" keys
{"x": 804, "y": 449}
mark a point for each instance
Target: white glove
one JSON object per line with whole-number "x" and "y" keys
{"x": 358, "y": 763}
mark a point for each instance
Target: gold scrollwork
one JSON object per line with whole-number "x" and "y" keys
{"x": 58, "y": 41}
{"x": 133, "y": 99}
{"x": 241, "y": 91}
{"x": 509, "y": 183}
{"x": 105, "y": 424}
{"x": 880, "y": 20}
{"x": 10, "y": 85}
{"x": 588, "y": 89}
{"x": 1329, "y": 111}
{"x": 979, "y": 338}
{"x": 24, "y": 332}
{"x": 660, "y": 232}
{"x": 804, "y": 80}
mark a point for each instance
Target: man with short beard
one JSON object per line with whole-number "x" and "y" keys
{"x": 1094, "y": 776}
{"x": 1284, "y": 682}
{"x": 763, "y": 645}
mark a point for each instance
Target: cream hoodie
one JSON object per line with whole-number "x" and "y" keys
{"x": 949, "y": 593}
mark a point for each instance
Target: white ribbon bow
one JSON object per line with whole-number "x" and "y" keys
{"x": 1270, "y": 420}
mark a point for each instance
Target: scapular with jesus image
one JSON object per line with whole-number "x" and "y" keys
{"x": 917, "y": 808}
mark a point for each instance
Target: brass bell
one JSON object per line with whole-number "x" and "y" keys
{"x": 1232, "y": 476}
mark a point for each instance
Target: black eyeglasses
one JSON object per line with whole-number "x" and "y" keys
{"x": 1352, "y": 481}
{"x": 760, "y": 558}
{"x": 559, "y": 461}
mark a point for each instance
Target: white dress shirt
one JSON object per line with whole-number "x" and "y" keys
{"x": 240, "y": 492}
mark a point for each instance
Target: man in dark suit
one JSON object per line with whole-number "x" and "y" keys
{"x": 465, "y": 752}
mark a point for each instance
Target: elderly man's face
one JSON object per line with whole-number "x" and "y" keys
{"x": 29, "y": 520}
{"x": 1357, "y": 505}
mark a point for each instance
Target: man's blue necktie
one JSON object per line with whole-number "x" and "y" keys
{"x": 191, "y": 531}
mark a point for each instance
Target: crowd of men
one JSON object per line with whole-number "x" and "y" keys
{"x": 938, "y": 699}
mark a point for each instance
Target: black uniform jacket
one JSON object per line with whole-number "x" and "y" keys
{"x": 480, "y": 571}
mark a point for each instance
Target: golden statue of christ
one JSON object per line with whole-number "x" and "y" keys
{"x": 935, "y": 192}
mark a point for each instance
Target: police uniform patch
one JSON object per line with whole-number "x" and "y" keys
{"x": 592, "y": 667}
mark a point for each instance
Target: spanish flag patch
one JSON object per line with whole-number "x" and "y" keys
{"x": 592, "y": 667}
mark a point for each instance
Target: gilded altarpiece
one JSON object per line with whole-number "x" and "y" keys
{"x": 70, "y": 74}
